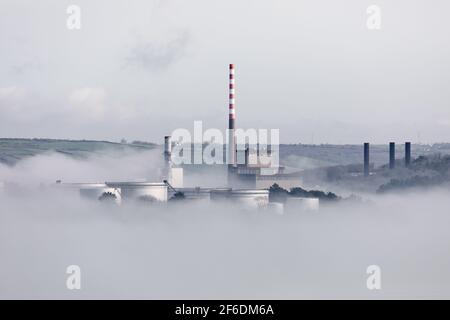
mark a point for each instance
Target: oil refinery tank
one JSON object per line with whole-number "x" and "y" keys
{"x": 196, "y": 193}
{"x": 149, "y": 191}
{"x": 250, "y": 198}
{"x": 94, "y": 191}
{"x": 244, "y": 198}
{"x": 220, "y": 194}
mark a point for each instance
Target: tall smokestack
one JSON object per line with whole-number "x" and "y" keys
{"x": 366, "y": 160}
{"x": 407, "y": 154}
{"x": 231, "y": 121}
{"x": 391, "y": 155}
{"x": 167, "y": 157}
{"x": 167, "y": 147}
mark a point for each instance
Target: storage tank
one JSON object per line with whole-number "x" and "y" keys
{"x": 100, "y": 191}
{"x": 151, "y": 191}
{"x": 196, "y": 193}
{"x": 220, "y": 194}
{"x": 94, "y": 191}
{"x": 245, "y": 198}
{"x": 250, "y": 198}
{"x": 298, "y": 204}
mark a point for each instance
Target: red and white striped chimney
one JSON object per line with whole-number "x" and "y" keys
{"x": 231, "y": 121}
{"x": 231, "y": 98}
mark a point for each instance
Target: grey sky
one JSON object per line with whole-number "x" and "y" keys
{"x": 139, "y": 69}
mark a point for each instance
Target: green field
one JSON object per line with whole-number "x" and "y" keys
{"x": 14, "y": 150}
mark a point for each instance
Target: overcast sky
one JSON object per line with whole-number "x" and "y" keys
{"x": 140, "y": 69}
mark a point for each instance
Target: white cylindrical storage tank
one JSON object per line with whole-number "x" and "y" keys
{"x": 275, "y": 207}
{"x": 99, "y": 191}
{"x": 93, "y": 191}
{"x": 151, "y": 191}
{"x": 193, "y": 193}
{"x": 250, "y": 198}
{"x": 298, "y": 204}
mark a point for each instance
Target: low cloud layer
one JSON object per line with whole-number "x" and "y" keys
{"x": 201, "y": 250}
{"x": 105, "y": 166}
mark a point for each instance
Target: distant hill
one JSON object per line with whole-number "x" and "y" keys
{"x": 293, "y": 156}
{"x": 305, "y": 156}
{"x": 425, "y": 171}
{"x": 14, "y": 150}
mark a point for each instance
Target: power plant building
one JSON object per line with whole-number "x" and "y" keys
{"x": 257, "y": 170}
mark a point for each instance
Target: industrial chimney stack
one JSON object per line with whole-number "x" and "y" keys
{"x": 167, "y": 147}
{"x": 392, "y": 155}
{"x": 366, "y": 160}
{"x": 407, "y": 154}
{"x": 231, "y": 121}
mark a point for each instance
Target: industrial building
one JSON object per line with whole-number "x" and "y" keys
{"x": 247, "y": 182}
{"x": 255, "y": 172}
{"x": 145, "y": 191}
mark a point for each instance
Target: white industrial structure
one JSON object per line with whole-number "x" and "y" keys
{"x": 196, "y": 193}
{"x": 248, "y": 182}
{"x": 151, "y": 191}
{"x": 245, "y": 198}
{"x": 258, "y": 170}
{"x": 98, "y": 190}
{"x": 94, "y": 191}
{"x": 174, "y": 175}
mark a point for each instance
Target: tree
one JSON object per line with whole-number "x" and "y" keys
{"x": 277, "y": 194}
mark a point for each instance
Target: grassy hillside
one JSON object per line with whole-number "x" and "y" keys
{"x": 13, "y": 150}
{"x": 295, "y": 156}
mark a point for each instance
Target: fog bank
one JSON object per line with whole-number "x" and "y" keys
{"x": 205, "y": 251}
